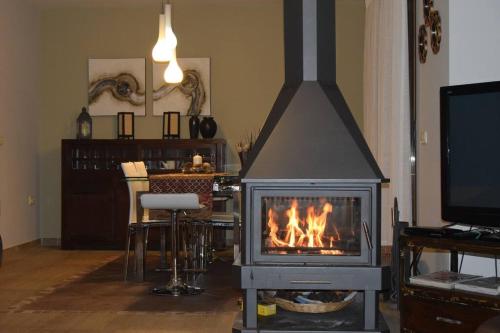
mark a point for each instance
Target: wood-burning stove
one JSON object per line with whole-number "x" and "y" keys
{"x": 311, "y": 192}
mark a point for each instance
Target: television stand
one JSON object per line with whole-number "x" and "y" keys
{"x": 493, "y": 237}
{"x": 427, "y": 309}
{"x": 435, "y": 232}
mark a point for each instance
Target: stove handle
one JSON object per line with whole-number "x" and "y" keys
{"x": 309, "y": 282}
{"x": 367, "y": 235}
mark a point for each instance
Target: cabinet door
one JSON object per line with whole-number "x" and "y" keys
{"x": 90, "y": 215}
{"x": 431, "y": 316}
{"x": 87, "y": 210}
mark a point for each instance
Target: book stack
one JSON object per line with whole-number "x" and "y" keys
{"x": 442, "y": 279}
{"x": 484, "y": 285}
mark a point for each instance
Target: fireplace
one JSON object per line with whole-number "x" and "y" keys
{"x": 311, "y": 192}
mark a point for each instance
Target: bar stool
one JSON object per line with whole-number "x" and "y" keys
{"x": 173, "y": 202}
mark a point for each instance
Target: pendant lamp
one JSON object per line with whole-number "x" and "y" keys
{"x": 162, "y": 51}
{"x": 173, "y": 73}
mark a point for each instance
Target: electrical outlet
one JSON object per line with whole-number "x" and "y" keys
{"x": 424, "y": 139}
{"x": 31, "y": 200}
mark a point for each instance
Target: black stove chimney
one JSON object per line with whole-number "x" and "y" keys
{"x": 309, "y": 41}
{"x": 310, "y": 132}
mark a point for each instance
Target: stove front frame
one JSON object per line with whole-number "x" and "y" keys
{"x": 258, "y": 193}
{"x": 368, "y": 191}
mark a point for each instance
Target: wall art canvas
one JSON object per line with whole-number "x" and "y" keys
{"x": 117, "y": 85}
{"x": 191, "y": 96}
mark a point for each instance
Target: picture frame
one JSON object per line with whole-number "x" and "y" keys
{"x": 171, "y": 125}
{"x": 116, "y": 85}
{"x": 191, "y": 96}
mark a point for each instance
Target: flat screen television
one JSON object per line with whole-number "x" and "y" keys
{"x": 470, "y": 154}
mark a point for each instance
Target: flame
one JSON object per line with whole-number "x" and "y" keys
{"x": 273, "y": 229}
{"x": 303, "y": 232}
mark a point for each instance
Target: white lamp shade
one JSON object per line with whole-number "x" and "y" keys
{"x": 170, "y": 38}
{"x": 173, "y": 73}
{"x": 162, "y": 51}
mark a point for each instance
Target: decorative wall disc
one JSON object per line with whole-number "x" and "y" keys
{"x": 422, "y": 44}
{"x": 428, "y": 7}
{"x": 435, "y": 31}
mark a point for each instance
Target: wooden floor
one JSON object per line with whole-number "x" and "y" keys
{"x": 31, "y": 271}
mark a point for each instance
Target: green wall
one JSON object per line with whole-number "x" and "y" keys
{"x": 244, "y": 40}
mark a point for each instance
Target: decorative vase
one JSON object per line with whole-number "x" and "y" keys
{"x": 194, "y": 127}
{"x": 208, "y": 127}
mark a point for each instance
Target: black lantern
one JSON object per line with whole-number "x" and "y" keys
{"x": 84, "y": 125}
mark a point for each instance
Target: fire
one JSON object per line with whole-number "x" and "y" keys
{"x": 303, "y": 232}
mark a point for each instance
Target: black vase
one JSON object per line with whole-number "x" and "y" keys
{"x": 208, "y": 127}
{"x": 194, "y": 127}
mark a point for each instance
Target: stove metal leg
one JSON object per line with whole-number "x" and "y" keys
{"x": 371, "y": 309}
{"x": 250, "y": 308}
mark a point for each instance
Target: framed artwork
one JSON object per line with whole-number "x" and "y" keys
{"x": 117, "y": 85}
{"x": 191, "y": 96}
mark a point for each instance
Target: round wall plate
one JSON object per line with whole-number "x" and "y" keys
{"x": 428, "y": 8}
{"x": 435, "y": 31}
{"x": 422, "y": 44}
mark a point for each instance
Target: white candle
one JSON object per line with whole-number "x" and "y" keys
{"x": 197, "y": 160}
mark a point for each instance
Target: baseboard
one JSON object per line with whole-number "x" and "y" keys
{"x": 50, "y": 242}
{"x": 33, "y": 243}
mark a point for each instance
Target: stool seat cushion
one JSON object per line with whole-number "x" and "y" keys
{"x": 170, "y": 201}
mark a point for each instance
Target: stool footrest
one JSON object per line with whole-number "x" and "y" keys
{"x": 182, "y": 290}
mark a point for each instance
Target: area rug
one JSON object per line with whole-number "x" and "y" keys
{"x": 103, "y": 289}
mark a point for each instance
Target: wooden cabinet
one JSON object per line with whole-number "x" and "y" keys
{"x": 94, "y": 195}
{"x": 430, "y": 310}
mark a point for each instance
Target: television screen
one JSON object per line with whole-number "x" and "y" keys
{"x": 470, "y": 154}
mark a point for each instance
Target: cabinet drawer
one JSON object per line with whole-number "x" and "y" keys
{"x": 429, "y": 316}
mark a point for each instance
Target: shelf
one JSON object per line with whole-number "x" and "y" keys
{"x": 474, "y": 246}
{"x": 457, "y": 296}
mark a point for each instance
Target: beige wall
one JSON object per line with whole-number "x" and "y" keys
{"x": 243, "y": 39}
{"x": 350, "y": 21}
{"x": 19, "y": 107}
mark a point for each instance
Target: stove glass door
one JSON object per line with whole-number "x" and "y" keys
{"x": 308, "y": 225}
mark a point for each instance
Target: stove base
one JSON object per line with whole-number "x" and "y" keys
{"x": 285, "y": 323}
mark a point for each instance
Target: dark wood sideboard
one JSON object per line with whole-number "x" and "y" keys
{"x": 428, "y": 309}
{"x": 95, "y": 196}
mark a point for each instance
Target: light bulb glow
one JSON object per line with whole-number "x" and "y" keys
{"x": 162, "y": 51}
{"x": 173, "y": 73}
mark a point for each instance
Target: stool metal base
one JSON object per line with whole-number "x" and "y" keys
{"x": 182, "y": 290}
